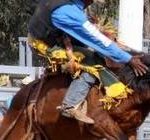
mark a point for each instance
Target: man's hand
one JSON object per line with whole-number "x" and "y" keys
{"x": 139, "y": 68}
{"x": 73, "y": 66}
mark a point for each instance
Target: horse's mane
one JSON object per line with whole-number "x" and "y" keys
{"x": 140, "y": 83}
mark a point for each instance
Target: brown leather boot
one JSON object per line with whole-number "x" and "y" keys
{"x": 78, "y": 115}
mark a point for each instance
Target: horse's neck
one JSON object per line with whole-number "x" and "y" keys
{"x": 141, "y": 94}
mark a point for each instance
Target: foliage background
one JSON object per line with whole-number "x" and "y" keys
{"x": 15, "y": 15}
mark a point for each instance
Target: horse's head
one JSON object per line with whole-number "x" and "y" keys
{"x": 126, "y": 74}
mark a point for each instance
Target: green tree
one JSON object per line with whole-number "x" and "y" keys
{"x": 107, "y": 9}
{"x": 14, "y": 17}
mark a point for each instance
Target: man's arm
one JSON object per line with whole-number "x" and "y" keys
{"x": 72, "y": 20}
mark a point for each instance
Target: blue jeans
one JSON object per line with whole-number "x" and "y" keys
{"x": 78, "y": 89}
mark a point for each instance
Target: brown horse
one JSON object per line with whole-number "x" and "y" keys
{"x": 33, "y": 113}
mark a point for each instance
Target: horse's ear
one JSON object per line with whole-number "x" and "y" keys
{"x": 112, "y": 64}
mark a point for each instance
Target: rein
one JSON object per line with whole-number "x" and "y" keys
{"x": 32, "y": 114}
{"x": 31, "y": 111}
{"x": 12, "y": 125}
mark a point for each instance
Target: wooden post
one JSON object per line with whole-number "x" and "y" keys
{"x": 25, "y": 53}
{"x": 21, "y": 52}
{"x": 131, "y": 23}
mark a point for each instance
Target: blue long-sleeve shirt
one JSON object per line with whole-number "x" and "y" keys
{"x": 71, "y": 19}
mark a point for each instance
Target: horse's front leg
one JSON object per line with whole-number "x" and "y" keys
{"x": 133, "y": 136}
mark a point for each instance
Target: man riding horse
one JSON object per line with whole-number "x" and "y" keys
{"x": 53, "y": 19}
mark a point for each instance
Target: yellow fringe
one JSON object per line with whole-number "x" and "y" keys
{"x": 4, "y": 79}
{"x": 118, "y": 90}
{"x": 38, "y": 44}
{"x": 114, "y": 95}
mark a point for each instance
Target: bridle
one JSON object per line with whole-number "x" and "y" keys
{"x": 31, "y": 113}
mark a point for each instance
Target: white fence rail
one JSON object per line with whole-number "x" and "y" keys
{"x": 7, "y": 92}
{"x": 19, "y": 71}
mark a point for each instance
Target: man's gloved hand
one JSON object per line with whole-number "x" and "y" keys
{"x": 73, "y": 66}
{"x": 139, "y": 68}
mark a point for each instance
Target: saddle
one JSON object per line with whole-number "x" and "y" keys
{"x": 88, "y": 61}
